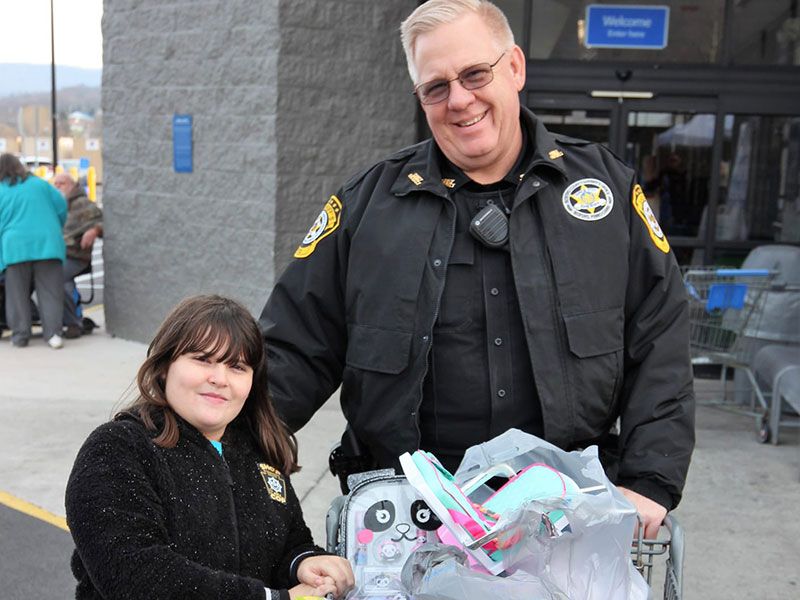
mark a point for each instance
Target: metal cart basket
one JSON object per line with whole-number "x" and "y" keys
{"x": 646, "y": 554}
{"x": 725, "y": 308}
{"x": 375, "y": 557}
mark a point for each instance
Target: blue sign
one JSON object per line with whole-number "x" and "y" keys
{"x": 182, "y": 143}
{"x": 635, "y": 27}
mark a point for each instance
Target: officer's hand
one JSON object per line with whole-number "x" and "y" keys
{"x": 652, "y": 512}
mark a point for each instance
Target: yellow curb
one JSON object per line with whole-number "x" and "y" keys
{"x": 92, "y": 309}
{"x": 33, "y": 511}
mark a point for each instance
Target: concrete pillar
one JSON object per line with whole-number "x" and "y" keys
{"x": 288, "y": 98}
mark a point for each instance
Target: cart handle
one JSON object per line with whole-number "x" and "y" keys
{"x": 742, "y": 272}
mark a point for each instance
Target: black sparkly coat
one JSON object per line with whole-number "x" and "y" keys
{"x": 150, "y": 522}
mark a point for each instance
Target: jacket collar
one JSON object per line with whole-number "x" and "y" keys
{"x": 422, "y": 172}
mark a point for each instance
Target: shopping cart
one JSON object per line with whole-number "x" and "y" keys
{"x": 378, "y": 558}
{"x": 647, "y": 554}
{"x": 725, "y": 308}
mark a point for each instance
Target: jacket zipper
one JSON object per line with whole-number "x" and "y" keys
{"x": 234, "y": 518}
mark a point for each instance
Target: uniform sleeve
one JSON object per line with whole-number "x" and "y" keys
{"x": 303, "y": 321}
{"x": 117, "y": 523}
{"x": 657, "y": 419}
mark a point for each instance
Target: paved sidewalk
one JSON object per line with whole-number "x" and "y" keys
{"x": 738, "y": 513}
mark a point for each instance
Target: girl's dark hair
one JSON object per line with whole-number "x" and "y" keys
{"x": 12, "y": 169}
{"x": 210, "y": 325}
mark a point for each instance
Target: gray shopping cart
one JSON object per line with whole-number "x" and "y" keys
{"x": 725, "y": 308}
{"x": 383, "y": 519}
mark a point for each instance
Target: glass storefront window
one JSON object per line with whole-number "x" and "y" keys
{"x": 766, "y": 32}
{"x": 760, "y": 182}
{"x": 557, "y": 31}
{"x": 592, "y": 125}
{"x": 672, "y": 153}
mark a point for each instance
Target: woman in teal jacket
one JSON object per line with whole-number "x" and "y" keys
{"x": 32, "y": 213}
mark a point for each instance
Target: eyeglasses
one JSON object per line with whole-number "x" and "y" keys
{"x": 471, "y": 78}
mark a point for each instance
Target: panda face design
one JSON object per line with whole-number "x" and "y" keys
{"x": 382, "y": 516}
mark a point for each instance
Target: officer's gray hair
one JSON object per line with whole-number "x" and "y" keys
{"x": 433, "y": 13}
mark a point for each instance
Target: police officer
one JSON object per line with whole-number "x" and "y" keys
{"x": 495, "y": 276}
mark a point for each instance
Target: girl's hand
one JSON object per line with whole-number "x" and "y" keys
{"x": 307, "y": 591}
{"x": 322, "y": 570}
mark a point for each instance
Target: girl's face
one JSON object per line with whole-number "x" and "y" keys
{"x": 208, "y": 393}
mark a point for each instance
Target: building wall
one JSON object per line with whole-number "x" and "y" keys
{"x": 288, "y": 99}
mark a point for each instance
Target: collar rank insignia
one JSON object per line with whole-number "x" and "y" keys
{"x": 554, "y": 154}
{"x": 273, "y": 479}
{"x": 415, "y": 178}
{"x": 588, "y": 200}
{"x": 448, "y": 183}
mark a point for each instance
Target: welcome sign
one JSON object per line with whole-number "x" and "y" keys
{"x": 634, "y": 27}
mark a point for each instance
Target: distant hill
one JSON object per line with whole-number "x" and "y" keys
{"x": 18, "y": 78}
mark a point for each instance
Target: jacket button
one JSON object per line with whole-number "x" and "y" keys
{"x": 536, "y": 183}
{"x": 424, "y": 338}
{"x": 498, "y": 341}
{"x": 501, "y": 393}
{"x": 494, "y": 292}
{"x": 437, "y": 263}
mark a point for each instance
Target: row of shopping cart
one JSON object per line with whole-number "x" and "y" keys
{"x": 726, "y": 308}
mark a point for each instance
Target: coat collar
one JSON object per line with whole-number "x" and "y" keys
{"x": 422, "y": 172}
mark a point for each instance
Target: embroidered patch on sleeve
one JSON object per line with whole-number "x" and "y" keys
{"x": 646, "y": 213}
{"x": 326, "y": 223}
{"x": 273, "y": 479}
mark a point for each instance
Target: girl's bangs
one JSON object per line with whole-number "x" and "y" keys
{"x": 230, "y": 344}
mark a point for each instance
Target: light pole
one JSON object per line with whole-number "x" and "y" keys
{"x": 53, "y": 87}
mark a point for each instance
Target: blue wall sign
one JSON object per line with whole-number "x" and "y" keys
{"x": 639, "y": 27}
{"x": 182, "y": 143}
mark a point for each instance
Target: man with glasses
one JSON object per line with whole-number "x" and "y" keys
{"x": 495, "y": 276}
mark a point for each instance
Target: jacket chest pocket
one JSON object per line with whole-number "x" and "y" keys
{"x": 380, "y": 350}
{"x": 596, "y": 341}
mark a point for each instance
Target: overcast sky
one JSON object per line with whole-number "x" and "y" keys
{"x": 26, "y": 32}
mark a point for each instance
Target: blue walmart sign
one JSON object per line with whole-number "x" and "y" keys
{"x": 635, "y": 27}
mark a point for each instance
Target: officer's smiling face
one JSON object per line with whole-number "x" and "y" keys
{"x": 478, "y": 130}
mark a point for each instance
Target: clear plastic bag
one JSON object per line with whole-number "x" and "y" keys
{"x": 440, "y": 572}
{"x": 575, "y": 546}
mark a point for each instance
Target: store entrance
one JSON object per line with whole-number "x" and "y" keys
{"x": 669, "y": 141}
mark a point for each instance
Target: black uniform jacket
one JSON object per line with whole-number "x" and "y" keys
{"x": 151, "y": 522}
{"x": 600, "y": 292}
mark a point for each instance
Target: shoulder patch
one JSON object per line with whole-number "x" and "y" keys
{"x": 326, "y": 223}
{"x": 646, "y": 213}
{"x": 273, "y": 479}
{"x": 588, "y": 199}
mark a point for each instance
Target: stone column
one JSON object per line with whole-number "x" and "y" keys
{"x": 288, "y": 98}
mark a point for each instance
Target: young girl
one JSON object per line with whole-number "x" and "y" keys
{"x": 185, "y": 493}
